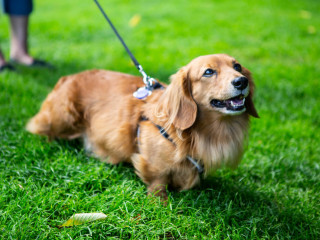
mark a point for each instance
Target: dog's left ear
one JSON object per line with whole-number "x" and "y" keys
{"x": 251, "y": 110}
{"x": 181, "y": 108}
{"x": 187, "y": 112}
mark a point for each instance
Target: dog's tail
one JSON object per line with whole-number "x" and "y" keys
{"x": 58, "y": 116}
{"x": 40, "y": 124}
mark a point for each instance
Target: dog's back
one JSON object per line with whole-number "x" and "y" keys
{"x": 77, "y": 99}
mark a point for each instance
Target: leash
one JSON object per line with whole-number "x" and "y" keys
{"x": 150, "y": 83}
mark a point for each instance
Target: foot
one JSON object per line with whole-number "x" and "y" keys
{"x": 158, "y": 189}
{"x": 22, "y": 59}
{"x": 29, "y": 61}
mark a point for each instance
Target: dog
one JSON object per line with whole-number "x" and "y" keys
{"x": 199, "y": 122}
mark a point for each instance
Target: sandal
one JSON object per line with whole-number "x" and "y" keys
{"x": 8, "y": 67}
{"x": 35, "y": 63}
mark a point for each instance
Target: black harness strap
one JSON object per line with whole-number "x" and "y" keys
{"x": 167, "y": 136}
{"x": 164, "y": 133}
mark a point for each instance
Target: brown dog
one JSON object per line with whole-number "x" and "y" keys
{"x": 204, "y": 111}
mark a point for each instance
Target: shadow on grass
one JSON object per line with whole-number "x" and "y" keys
{"x": 244, "y": 207}
{"x": 71, "y": 145}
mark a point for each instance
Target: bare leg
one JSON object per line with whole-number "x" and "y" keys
{"x": 19, "y": 39}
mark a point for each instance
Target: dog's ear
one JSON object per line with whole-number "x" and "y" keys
{"x": 249, "y": 102}
{"x": 181, "y": 108}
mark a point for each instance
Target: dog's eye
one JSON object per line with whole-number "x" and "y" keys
{"x": 209, "y": 72}
{"x": 237, "y": 67}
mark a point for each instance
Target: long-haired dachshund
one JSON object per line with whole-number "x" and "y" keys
{"x": 198, "y": 122}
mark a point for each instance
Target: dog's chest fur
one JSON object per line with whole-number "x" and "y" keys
{"x": 217, "y": 141}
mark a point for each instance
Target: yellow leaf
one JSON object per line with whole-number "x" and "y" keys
{"x": 81, "y": 218}
{"x": 135, "y": 20}
{"x": 311, "y": 29}
{"x": 305, "y": 14}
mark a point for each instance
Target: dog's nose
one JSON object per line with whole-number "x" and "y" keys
{"x": 240, "y": 83}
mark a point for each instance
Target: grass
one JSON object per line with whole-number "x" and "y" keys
{"x": 275, "y": 192}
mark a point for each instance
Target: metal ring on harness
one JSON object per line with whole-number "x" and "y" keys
{"x": 148, "y": 81}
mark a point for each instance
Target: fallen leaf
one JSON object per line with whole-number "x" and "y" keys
{"x": 135, "y": 20}
{"x": 311, "y": 29}
{"x": 81, "y": 218}
{"x": 305, "y": 14}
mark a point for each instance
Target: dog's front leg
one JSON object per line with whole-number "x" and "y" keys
{"x": 156, "y": 178}
{"x": 158, "y": 187}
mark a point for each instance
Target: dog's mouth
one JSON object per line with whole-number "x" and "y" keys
{"x": 232, "y": 104}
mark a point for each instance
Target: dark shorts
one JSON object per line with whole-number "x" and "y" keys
{"x": 17, "y": 7}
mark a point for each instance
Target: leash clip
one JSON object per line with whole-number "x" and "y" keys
{"x": 150, "y": 85}
{"x": 148, "y": 81}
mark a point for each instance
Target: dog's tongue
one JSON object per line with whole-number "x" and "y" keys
{"x": 237, "y": 101}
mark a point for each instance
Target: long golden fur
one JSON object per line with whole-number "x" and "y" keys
{"x": 98, "y": 106}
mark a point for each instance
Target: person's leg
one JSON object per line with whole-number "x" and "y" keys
{"x": 18, "y": 12}
{"x": 2, "y": 59}
{"x": 19, "y": 39}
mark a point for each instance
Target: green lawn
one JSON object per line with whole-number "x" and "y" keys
{"x": 275, "y": 192}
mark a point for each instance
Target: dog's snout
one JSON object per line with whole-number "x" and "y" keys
{"x": 240, "y": 83}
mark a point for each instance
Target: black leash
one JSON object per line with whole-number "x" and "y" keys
{"x": 134, "y": 60}
{"x": 150, "y": 83}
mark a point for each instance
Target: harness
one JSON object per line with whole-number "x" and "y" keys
{"x": 164, "y": 133}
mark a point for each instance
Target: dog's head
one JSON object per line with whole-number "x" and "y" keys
{"x": 212, "y": 83}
